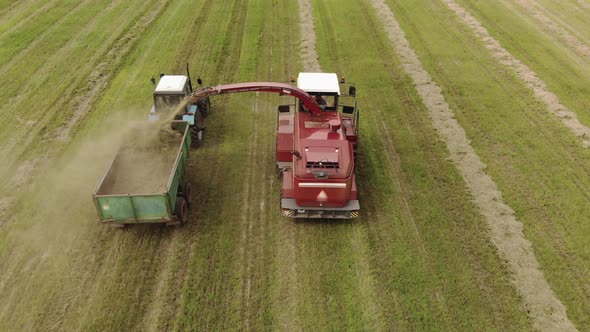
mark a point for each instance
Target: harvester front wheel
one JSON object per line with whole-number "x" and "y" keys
{"x": 181, "y": 209}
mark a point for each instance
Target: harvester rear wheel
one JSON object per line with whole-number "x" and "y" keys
{"x": 181, "y": 209}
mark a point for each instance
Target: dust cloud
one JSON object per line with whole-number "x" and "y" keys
{"x": 57, "y": 209}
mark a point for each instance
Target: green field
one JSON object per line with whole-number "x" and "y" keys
{"x": 420, "y": 257}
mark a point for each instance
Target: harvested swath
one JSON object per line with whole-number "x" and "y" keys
{"x": 309, "y": 55}
{"x": 540, "y": 89}
{"x": 506, "y": 232}
{"x": 143, "y": 165}
{"x": 555, "y": 27}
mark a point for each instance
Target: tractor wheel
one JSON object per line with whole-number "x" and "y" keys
{"x": 181, "y": 209}
{"x": 186, "y": 193}
{"x": 204, "y": 106}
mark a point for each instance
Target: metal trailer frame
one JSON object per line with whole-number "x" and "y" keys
{"x": 135, "y": 208}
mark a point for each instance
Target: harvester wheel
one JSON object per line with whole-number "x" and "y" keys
{"x": 186, "y": 193}
{"x": 181, "y": 209}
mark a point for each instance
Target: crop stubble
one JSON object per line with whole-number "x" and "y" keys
{"x": 551, "y": 101}
{"x": 546, "y": 310}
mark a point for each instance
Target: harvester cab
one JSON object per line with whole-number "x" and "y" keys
{"x": 170, "y": 101}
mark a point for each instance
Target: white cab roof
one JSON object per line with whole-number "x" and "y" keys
{"x": 318, "y": 82}
{"x": 171, "y": 84}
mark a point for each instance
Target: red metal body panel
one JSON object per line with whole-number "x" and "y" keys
{"x": 316, "y": 137}
{"x": 282, "y": 88}
{"x": 287, "y": 190}
{"x": 285, "y": 137}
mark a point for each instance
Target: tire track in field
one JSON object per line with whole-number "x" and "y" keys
{"x": 167, "y": 249}
{"x": 309, "y": 55}
{"x": 165, "y": 301}
{"x": 247, "y": 199}
{"x": 107, "y": 68}
{"x": 20, "y": 140}
{"x": 190, "y": 280}
{"x": 147, "y": 11}
{"x": 560, "y": 29}
{"x": 289, "y": 288}
{"x": 172, "y": 245}
{"x": 15, "y": 58}
{"x": 547, "y": 312}
{"x": 36, "y": 13}
{"x": 98, "y": 80}
{"x": 357, "y": 240}
{"x": 9, "y": 10}
{"x": 530, "y": 78}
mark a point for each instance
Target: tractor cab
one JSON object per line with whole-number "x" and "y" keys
{"x": 171, "y": 95}
{"x": 170, "y": 91}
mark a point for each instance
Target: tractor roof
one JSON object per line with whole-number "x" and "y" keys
{"x": 171, "y": 84}
{"x": 318, "y": 83}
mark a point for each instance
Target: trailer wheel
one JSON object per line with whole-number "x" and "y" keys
{"x": 186, "y": 193}
{"x": 181, "y": 209}
{"x": 196, "y": 136}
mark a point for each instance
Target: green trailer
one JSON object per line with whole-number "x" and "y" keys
{"x": 135, "y": 189}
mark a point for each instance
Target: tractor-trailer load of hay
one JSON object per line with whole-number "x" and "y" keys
{"x": 146, "y": 181}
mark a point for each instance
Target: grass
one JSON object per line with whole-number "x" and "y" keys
{"x": 570, "y": 14}
{"x": 43, "y": 90}
{"x": 565, "y": 73}
{"x": 419, "y": 258}
{"x": 519, "y": 141}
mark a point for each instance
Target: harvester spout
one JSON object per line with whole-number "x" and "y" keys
{"x": 284, "y": 89}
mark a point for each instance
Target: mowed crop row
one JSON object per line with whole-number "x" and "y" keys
{"x": 541, "y": 169}
{"x": 420, "y": 257}
{"x": 43, "y": 97}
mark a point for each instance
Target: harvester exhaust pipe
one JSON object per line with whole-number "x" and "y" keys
{"x": 335, "y": 125}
